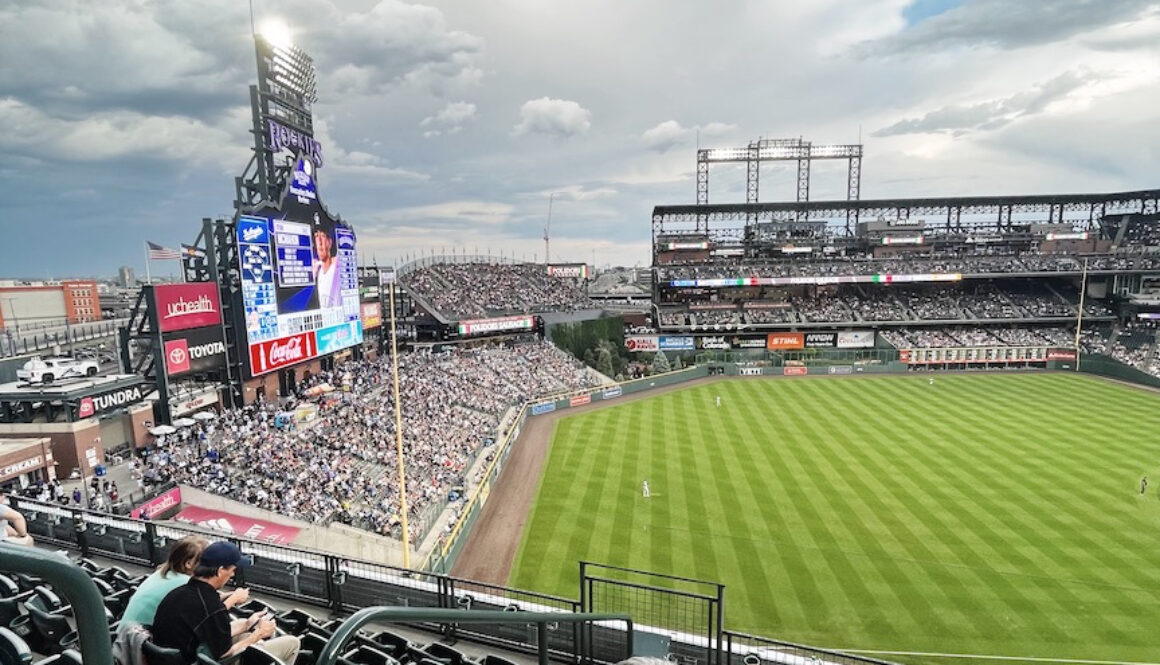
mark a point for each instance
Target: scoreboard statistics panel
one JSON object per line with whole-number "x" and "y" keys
{"x": 299, "y": 288}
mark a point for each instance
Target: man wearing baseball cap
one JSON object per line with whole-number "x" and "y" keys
{"x": 192, "y": 616}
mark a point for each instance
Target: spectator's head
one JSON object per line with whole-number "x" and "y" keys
{"x": 184, "y": 556}
{"x": 219, "y": 562}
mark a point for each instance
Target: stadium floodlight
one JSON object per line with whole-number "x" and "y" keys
{"x": 276, "y": 33}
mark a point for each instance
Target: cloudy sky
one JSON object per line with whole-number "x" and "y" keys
{"x": 448, "y": 123}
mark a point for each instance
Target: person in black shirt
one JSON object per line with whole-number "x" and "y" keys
{"x": 193, "y": 615}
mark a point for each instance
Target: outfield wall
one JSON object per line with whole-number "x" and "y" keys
{"x": 1111, "y": 368}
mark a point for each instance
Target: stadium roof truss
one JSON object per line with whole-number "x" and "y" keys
{"x": 1001, "y": 214}
{"x": 779, "y": 150}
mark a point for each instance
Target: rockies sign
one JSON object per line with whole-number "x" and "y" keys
{"x": 194, "y": 351}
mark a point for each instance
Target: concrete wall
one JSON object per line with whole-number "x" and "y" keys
{"x": 336, "y": 539}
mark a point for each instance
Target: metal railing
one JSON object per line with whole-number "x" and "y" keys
{"x": 542, "y": 620}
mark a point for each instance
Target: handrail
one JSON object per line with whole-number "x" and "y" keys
{"x": 334, "y": 645}
{"x": 71, "y": 581}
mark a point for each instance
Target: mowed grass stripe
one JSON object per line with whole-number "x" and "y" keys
{"x": 1009, "y": 509}
{"x": 917, "y": 614}
{"x": 1082, "y": 520}
{"x": 908, "y": 531}
{"x": 947, "y": 502}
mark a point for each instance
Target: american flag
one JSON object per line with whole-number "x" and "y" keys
{"x": 159, "y": 253}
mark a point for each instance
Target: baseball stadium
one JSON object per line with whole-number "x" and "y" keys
{"x": 905, "y": 430}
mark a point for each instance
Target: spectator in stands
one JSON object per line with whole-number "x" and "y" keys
{"x": 13, "y": 528}
{"x": 174, "y": 572}
{"x": 193, "y": 616}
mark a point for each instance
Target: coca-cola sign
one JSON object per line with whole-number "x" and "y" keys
{"x": 184, "y": 306}
{"x": 283, "y": 352}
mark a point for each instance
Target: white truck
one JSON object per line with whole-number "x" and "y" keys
{"x": 47, "y": 370}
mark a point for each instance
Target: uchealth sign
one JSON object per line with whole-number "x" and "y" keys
{"x": 157, "y": 505}
{"x": 200, "y": 350}
{"x": 785, "y": 341}
{"x": 95, "y": 405}
{"x": 648, "y": 343}
{"x": 282, "y": 352}
{"x": 185, "y": 306}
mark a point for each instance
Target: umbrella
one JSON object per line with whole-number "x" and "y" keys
{"x": 204, "y": 415}
{"x": 184, "y": 422}
{"x": 162, "y": 430}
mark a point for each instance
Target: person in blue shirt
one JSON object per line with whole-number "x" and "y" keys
{"x": 175, "y": 572}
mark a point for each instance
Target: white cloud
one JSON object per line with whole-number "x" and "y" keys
{"x": 466, "y": 213}
{"x": 714, "y": 129}
{"x": 553, "y": 117}
{"x": 116, "y": 135}
{"x": 665, "y": 136}
{"x": 449, "y": 120}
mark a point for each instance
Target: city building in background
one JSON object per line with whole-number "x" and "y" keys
{"x": 42, "y": 304}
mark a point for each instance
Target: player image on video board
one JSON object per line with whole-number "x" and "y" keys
{"x": 327, "y": 273}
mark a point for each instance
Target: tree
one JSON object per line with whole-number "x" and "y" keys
{"x": 660, "y": 363}
{"x": 604, "y": 361}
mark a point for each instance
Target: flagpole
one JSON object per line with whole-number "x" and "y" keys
{"x": 148, "y": 275}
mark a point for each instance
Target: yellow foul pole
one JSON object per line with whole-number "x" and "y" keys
{"x": 1079, "y": 314}
{"x": 399, "y": 435}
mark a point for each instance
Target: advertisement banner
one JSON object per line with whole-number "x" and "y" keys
{"x": 904, "y": 355}
{"x": 157, "y": 505}
{"x": 612, "y": 393}
{"x": 714, "y": 343}
{"x": 676, "y": 343}
{"x": 816, "y": 340}
{"x": 184, "y": 306}
{"x": 648, "y": 343}
{"x": 580, "y": 400}
{"x": 336, "y": 338}
{"x": 574, "y": 270}
{"x": 542, "y": 408}
{"x": 1061, "y": 354}
{"x": 794, "y": 371}
{"x": 237, "y": 525}
{"x": 842, "y": 369}
{"x": 194, "y": 351}
{"x": 279, "y": 353}
{"x": 372, "y": 315}
{"x": 858, "y": 339}
{"x": 747, "y": 342}
{"x": 750, "y": 371}
{"x": 206, "y": 398}
{"x": 504, "y": 324}
{"x": 785, "y": 341}
{"x": 95, "y": 405}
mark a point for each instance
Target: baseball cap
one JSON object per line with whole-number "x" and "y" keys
{"x": 224, "y": 553}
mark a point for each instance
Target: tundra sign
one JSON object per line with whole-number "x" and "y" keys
{"x": 105, "y": 402}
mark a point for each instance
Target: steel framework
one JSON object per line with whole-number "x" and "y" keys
{"x": 784, "y": 150}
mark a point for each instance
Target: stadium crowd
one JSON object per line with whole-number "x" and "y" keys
{"x": 476, "y": 290}
{"x": 984, "y": 264}
{"x": 869, "y": 303}
{"x": 341, "y": 464}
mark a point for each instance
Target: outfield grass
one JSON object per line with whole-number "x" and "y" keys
{"x": 987, "y": 514}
